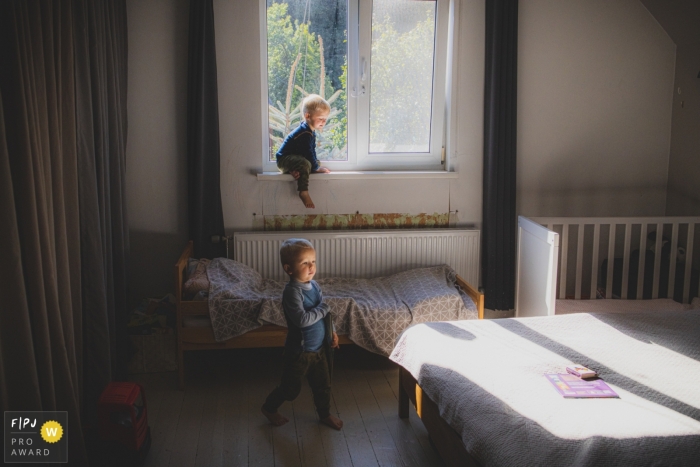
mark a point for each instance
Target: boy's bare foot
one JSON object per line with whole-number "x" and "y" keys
{"x": 333, "y": 422}
{"x": 306, "y": 199}
{"x": 323, "y": 170}
{"x": 276, "y": 418}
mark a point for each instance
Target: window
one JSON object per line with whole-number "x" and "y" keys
{"x": 381, "y": 64}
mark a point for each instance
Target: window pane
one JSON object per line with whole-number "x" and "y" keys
{"x": 401, "y": 87}
{"x": 307, "y": 54}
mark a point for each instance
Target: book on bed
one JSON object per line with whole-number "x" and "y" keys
{"x": 571, "y": 386}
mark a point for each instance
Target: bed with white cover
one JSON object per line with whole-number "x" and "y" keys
{"x": 485, "y": 379}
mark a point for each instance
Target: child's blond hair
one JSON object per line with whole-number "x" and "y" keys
{"x": 314, "y": 103}
{"x": 290, "y": 249}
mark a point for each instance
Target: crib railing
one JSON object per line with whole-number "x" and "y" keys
{"x": 586, "y": 243}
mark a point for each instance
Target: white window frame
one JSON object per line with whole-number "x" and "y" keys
{"x": 359, "y": 50}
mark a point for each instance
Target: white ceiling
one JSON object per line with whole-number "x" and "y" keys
{"x": 680, "y": 19}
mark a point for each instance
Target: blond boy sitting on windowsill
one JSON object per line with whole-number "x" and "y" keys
{"x": 297, "y": 154}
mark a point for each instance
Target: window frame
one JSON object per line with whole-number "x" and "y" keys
{"x": 360, "y": 11}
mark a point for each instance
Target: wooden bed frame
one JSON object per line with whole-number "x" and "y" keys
{"x": 268, "y": 335}
{"x": 446, "y": 440}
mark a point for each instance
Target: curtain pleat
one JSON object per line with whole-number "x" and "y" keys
{"x": 500, "y": 99}
{"x": 38, "y": 335}
{"x": 204, "y": 192}
{"x": 62, "y": 169}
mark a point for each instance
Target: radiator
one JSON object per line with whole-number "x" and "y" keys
{"x": 366, "y": 253}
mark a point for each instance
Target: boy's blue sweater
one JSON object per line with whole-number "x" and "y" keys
{"x": 304, "y": 308}
{"x": 300, "y": 142}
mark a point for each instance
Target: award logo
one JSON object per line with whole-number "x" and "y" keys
{"x": 36, "y": 436}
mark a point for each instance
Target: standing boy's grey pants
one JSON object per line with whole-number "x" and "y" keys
{"x": 300, "y": 164}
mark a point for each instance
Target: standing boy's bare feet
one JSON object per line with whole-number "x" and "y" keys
{"x": 276, "y": 418}
{"x": 333, "y": 422}
{"x": 306, "y": 199}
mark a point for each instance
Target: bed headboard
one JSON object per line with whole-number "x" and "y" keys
{"x": 618, "y": 256}
{"x": 366, "y": 253}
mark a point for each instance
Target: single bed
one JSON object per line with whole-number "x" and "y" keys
{"x": 243, "y": 310}
{"x": 498, "y": 409}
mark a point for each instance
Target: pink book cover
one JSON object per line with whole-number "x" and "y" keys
{"x": 571, "y": 386}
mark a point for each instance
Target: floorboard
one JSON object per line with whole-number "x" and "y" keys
{"x": 216, "y": 420}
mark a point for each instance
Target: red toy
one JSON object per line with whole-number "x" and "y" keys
{"x": 123, "y": 416}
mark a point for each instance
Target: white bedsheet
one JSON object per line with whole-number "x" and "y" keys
{"x": 487, "y": 379}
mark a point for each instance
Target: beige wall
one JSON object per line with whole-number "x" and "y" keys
{"x": 684, "y": 167}
{"x": 156, "y": 151}
{"x": 594, "y": 109}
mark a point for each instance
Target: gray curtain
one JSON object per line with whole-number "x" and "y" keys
{"x": 62, "y": 138}
{"x": 500, "y": 125}
{"x": 206, "y": 217}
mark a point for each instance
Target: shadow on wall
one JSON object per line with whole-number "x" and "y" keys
{"x": 153, "y": 256}
{"x": 592, "y": 201}
{"x": 682, "y": 204}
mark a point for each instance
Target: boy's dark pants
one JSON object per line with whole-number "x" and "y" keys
{"x": 300, "y": 164}
{"x": 316, "y": 366}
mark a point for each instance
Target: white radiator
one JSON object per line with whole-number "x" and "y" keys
{"x": 366, "y": 253}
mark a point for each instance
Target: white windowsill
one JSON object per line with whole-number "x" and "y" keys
{"x": 361, "y": 175}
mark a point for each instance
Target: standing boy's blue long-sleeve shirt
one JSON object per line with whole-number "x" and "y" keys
{"x": 304, "y": 309}
{"x": 300, "y": 142}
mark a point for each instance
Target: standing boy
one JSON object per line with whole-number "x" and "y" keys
{"x": 297, "y": 154}
{"x": 310, "y": 336}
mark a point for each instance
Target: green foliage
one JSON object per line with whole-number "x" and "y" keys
{"x": 401, "y": 82}
{"x": 401, "y": 73}
{"x": 296, "y": 69}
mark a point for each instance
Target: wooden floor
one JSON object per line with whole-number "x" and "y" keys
{"x": 216, "y": 421}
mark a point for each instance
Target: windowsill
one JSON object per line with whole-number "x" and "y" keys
{"x": 361, "y": 175}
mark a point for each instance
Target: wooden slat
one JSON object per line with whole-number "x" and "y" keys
{"x": 564, "y": 261}
{"x": 642, "y": 260}
{"x": 179, "y": 269}
{"x": 688, "y": 262}
{"x": 261, "y": 380}
{"x": 671, "y": 287}
{"x": 475, "y": 295}
{"x": 235, "y": 435}
{"x": 194, "y": 308}
{"x": 657, "y": 259}
{"x": 184, "y": 448}
{"x": 358, "y": 440}
{"x": 611, "y": 260}
{"x": 626, "y": 261}
{"x": 579, "y": 261}
{"x": 594, "y": 261}
{"x": 211, "y": 441}
{"x": 405, "y": 439}
{"x": 383, "y": 445}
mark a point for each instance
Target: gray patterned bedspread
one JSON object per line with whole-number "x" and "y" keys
{"x": 371, "y": 312}
{"x": 487, "y": 379}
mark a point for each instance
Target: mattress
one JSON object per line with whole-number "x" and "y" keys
{"x": 487, "y": 378}
{"x": 371, "y": 312}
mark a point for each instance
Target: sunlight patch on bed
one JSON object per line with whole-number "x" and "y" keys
{"x": 512, "y": 372}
